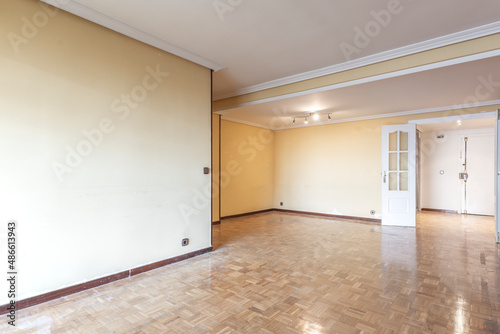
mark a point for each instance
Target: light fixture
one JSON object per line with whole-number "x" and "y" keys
{"x": 459, "y": 122}
{"x": 315, "y": 116}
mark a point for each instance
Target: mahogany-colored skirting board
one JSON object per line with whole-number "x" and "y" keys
{"x": 100, "y": 281}
{"x": 246, "y": 214}
{"x": 327, "y": 215}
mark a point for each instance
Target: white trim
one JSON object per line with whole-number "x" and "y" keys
{"x": 434, "y": 43}
{"x": 245, "y": 122}
{"x": 412, "y": 70}
{"x": 404, "y": 113}
{"x": 118, "y": 26}
{"x": 491, "y": 114}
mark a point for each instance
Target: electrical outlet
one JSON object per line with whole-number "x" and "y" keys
{"x": 281, "y": 203}
{"x": 185, "y": 242}
{"x": 372, "y": 212}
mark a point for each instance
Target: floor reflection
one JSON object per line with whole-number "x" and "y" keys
{"x": 285, "y": 273}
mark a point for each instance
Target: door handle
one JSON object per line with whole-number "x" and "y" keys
{"x": 385, "y": 177}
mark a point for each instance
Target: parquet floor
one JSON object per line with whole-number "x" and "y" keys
{"x": 283, "y": 273}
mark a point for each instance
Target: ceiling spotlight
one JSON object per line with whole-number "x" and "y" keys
{"x": 315, "y": 117}
{"x": 293, "y": 122}
{"x": 306, "y": 121}
{"x": 329, "y": 117}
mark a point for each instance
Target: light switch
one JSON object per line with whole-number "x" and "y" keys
{"x": 206, "y": 170}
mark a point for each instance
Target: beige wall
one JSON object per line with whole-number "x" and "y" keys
{"x": 103, "y": 142}
{"x": 336, "y": 169}
{"x": 247, "y": 173}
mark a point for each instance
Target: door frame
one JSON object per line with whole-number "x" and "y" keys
{"x": 491, "y": 114}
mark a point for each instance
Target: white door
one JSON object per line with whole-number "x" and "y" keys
{"x": 399, "y": 175}
{"x": 497, "y": 176}
{"x": 478, "y": 191}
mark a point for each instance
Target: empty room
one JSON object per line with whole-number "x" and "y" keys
{"x": 232, "y": 166}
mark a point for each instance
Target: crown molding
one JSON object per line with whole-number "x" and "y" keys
{"x": 462, "y": 36}
{"x": 92, "y": 15}
{"x": 445, "y": 63}
{"x": 245, "y": 122}
{"x": 401, "y": 113}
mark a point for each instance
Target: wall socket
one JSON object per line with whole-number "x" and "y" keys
{"x": 281, "y": 203}
{"x": 372, "y": 212}
{"x": 185, "y": 242}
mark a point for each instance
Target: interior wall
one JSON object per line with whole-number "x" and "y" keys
{"x": 336, "y": 168}
{"x": 103, "y": 142}
{"x": 247, "y": 173}
{"x": 215, "y": 167}
{"x": 444, "y": 191}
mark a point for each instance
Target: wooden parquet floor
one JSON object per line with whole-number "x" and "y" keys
{"x": 283, "y": 273}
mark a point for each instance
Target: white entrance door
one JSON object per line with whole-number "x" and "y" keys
{"x": 399, "y": 175}
{"x": 478, "y": 190}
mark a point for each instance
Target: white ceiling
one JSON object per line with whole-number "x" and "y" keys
{"x": 261, "y": 43}
{"x": 481, "y": 123}
{"x": 454, "y": 85}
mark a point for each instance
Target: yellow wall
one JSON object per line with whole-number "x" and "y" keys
{"x": 103, "y": 142}
{"x": 247, "y": 173}
{"x": 336, "y": 169}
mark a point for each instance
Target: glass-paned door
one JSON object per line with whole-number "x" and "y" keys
{"x": 399, "y": 175}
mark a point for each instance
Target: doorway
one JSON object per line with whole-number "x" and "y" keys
{"x": 457, "y": 164}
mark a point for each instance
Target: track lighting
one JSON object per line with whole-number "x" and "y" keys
{"x": 315, "y": 117}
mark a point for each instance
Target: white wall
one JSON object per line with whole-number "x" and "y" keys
{"x": 443, "y": 191}
{"x": 118, "y": 205}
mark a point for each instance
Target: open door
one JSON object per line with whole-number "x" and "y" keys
{"x": 399, "y": 205}
{"x": 497, "y": 177}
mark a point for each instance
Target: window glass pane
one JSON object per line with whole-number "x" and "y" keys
{"x": 403, "y": 161}
{"x": 393, "y": 141}
{"x": 393, "y": 161}
{"x": 403, "y": 181}
{"x": 393, "y": 181}
{"x": 403, "y": 141}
